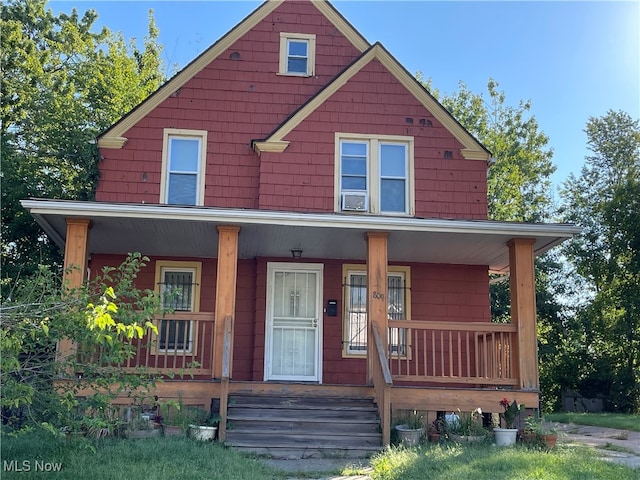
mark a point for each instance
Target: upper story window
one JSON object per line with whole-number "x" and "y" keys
{"x": 374, "y": 174}
{"x": 297, "y": 54}
{"x": 183, "y": 167}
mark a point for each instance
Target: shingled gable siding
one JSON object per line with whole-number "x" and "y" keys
{"x": 236, "y": 100}
{"x": 373, "y": 102}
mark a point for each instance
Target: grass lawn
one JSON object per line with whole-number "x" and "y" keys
{"x": 452, "y": 461}
{"x": 608, "y": 420}
{"x": 117, "y": 459}
{"x": 180, "y": 458}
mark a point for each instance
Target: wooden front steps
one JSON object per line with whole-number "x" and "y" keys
{"x": 303, "y": 427}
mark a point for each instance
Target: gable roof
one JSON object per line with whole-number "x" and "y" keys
{"x": 473, "y": 149}
{"x": 113, "y": 136}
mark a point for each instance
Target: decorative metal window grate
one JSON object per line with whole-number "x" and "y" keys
{"x": 177, "y": 291}
{"x": 356, "y": 311}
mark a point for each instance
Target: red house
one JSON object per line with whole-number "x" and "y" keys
{"x": 324, "y": 221}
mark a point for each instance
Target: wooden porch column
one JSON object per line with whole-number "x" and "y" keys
{"x": 225, "y": 293}
{"x": 523, "y": 311}
{"x": 75, "y": 269}
{"x": 376, "y": 293}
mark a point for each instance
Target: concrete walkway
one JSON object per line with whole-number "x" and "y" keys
{"x": 321, "y": 467}
{"x": 613, "y": 445}
{"x": 620, "y": 446}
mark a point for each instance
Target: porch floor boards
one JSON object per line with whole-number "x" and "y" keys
{"x": 303, "y": 427}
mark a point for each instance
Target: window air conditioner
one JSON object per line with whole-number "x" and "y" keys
{"x": 355, "y": 201}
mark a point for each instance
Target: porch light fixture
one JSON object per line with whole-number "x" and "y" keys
{"x": 296, "y": 252}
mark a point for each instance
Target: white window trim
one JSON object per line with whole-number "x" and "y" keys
{"x": 200, "y": 135}
{"x": 360, "y": 269}
{"x": 311, "y": 54}
{"x": 178, "y": 266}
{"x": 373, "y": 172}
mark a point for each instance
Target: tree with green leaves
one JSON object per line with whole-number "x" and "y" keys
{"x": 605, "y": 200}
{"x": 519, "y": 189}
{"x": 62, "y": 84}
{"x": 103, "y": 316}
{"x": 519, "y": 180}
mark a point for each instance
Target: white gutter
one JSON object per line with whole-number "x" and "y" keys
{"x": 269, "y": 217}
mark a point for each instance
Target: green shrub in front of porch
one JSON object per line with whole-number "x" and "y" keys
{"x": 451, "y": 461}
{"x": 104, "y": 317}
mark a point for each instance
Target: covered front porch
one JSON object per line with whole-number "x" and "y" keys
{"x": 411, "y": 363}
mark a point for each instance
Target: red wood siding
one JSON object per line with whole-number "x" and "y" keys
{"x": 374, "y": 103}
{"x": 245, "y": 324}
{"x": 146, "y": 277}
{"x": 236, "y": 101}
{"x": 447, "y": 293}
{"x": 260, "y": 325}
{"x": 451, "y": 293}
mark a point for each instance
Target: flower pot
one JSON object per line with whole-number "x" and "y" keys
{"x": 409, "y": 436}
{"x": 505, "y": 436}
{"x": 549, "y": 439}
{"x": 201, "y": 432}
{"x": 434, "y": 437}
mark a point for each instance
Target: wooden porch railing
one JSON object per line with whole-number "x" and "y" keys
{"x": 446, "y": 352}
{"x": 185, "y": 350}
{"x": 224, "y": 380}
{"x": 382, "y": 383}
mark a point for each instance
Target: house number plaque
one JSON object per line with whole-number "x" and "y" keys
{"x": 377, "y": 295}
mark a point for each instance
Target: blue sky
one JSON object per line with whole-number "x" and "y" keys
{"x": 573, "y": 60}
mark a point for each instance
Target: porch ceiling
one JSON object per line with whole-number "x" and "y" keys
{"x": 157, "y": 230}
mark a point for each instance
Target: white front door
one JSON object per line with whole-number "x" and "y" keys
{"x": 293, "y": 349}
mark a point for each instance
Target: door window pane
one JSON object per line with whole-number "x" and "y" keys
{"x": 294, "y": 295}
{"x": 294, "y": 324}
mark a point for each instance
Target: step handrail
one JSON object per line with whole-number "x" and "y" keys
{"x": 224, "y": 379}
{"x": 382, "y": 383}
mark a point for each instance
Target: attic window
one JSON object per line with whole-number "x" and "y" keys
{"x": 297, "y": 54}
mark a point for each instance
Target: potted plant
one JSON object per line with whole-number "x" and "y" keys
{"x": 410, "y": 428}
{"x": 437, "y": 429}
{"x": 507, "y": 435}
{"x": 542, "y": 433}
{"x": 144, "y": 426}
{"x": 176, "y": 418}
{"x": 530, "y": 432}
{"x": 468, "y": 427}
{"x": 548, "y": 435}
{"x": 205, "y": 425}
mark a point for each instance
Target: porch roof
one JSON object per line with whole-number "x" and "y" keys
{"x": 156, "y": 230}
